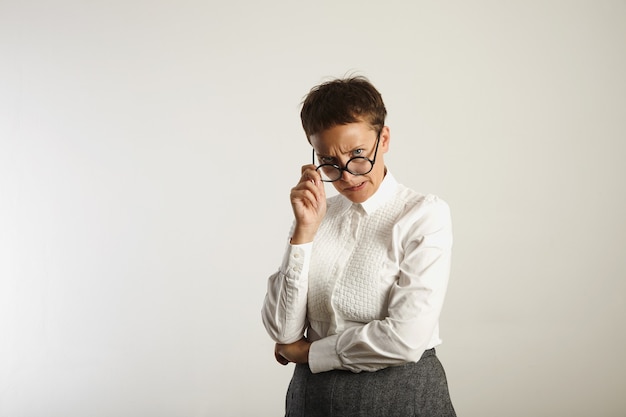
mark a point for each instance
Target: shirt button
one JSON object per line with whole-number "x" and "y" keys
{"x": 296, "y": 255}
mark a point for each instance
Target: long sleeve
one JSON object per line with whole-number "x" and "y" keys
{"x": 285, "y": 304}
{"x": 422, "y": 249}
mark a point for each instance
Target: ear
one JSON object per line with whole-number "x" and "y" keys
{"x": 385, "y": 137}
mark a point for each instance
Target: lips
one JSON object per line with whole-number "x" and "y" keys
{"x": 355, "y": 187}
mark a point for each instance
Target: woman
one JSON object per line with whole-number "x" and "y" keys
{"x": 356, "y": 301}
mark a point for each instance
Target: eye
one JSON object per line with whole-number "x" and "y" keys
{"x": 357, "y": 152}
{"x": 326, "y": 160}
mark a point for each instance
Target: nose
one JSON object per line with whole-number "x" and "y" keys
{"x": 345, "y": 175}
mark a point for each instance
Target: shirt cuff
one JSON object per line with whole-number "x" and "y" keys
{"x": 296, "y": 259}
{"x": 323, "y": 355}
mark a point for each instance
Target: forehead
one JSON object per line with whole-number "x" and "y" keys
{"x": 343, "y": 138}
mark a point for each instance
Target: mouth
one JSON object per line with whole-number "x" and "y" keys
{"x": 356, "y": 187}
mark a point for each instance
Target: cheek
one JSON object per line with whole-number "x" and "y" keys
{"x": 378, "y": 176}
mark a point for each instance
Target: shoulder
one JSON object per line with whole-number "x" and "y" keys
{"x": 413, "y": 201}
{"x": 426, "y": 212}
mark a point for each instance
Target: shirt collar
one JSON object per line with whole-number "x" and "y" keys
{"x": 385, "y": 192}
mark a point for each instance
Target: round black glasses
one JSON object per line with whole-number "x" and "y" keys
{"x": 359, "y": 165}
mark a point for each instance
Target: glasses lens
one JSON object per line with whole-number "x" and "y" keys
{"x": 329, "y": 173}
{"x": 359, "y": 165}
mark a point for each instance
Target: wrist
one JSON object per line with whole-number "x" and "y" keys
{"x": 303, "y": 235}
{"x": 305, "y": 351}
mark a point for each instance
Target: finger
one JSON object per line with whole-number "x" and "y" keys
{"x": 317, "y": 189}
{"x": 309, "y": 173}
{"x": 308, "y": 197}
{"x": 307, "y": 167}
{"x": 308, "y": 189}
{"x": 313, "y": 181}
{"x": 280, "y": 358}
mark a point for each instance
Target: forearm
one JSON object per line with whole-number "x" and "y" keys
{"x": 411, "y": 326}
{"x": 296, "y": 352}
{"x": 284, "y": 308}
{"x": 373, "y": 346}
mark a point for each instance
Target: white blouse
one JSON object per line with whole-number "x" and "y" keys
{"x": 369, "y": 289}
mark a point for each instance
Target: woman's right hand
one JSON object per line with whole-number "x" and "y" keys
{"x": 308, "y": 201}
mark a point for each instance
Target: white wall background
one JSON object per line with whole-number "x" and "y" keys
{"x": 147, "y": 149}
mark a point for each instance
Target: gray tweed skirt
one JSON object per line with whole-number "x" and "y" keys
{"x": 414, "y": 389}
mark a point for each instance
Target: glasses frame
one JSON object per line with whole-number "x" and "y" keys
{"x": 345, "y": 168}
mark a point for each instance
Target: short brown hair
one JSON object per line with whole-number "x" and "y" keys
{"x": 342, "y": 101}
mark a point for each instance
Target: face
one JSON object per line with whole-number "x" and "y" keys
{"x": 342, "y": 142}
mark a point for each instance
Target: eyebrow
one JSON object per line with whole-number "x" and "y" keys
{"x": 321, "y": 155}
